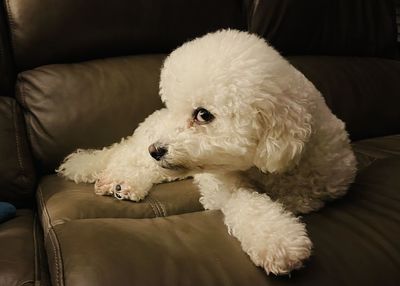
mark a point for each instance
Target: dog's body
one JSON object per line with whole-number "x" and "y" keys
{"x": 240, "y": 119}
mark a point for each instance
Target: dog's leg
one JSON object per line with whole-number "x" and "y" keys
{"x": 129, "y": 175}
{"x": 126, "y": 169}
{"x": 85, "y": 166}
{"x": 273, "y": 238}
{"x": 214, "y": 192}
{"x": 131, "y": 171}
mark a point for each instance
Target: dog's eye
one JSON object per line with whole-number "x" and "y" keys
{"x": 202, "y": 116}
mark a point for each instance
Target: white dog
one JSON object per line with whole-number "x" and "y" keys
{"x": 239, "y": 118}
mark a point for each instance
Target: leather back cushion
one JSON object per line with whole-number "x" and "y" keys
{"x": 86, "y": 105}
{"x": 17, "y": 177}
{"x": 94, "y": 104}
{"x": 339, "y": 27}
{"x": 48, "y": 31}
{"x": 363, "y": 92}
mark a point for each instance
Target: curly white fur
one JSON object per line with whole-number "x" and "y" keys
{"x": 272, "y": 132}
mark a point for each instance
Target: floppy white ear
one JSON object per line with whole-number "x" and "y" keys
{"x": 285, "y": 127}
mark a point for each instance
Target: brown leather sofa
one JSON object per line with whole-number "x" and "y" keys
{"x": 85, "y": 73}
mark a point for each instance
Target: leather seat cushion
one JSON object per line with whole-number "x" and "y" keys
{"x": 189, "y": 249}
{"x": 18, "y": 256}
{"x": 356, "y": 238}
{"x": 61, "y": 201}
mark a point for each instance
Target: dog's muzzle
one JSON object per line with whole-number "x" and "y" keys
{"x": 157, "y": 152}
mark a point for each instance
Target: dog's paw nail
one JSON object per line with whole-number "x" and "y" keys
{"x": 118, "y": 196}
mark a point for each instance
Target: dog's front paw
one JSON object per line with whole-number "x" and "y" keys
{"x": 282, "y": 256}
{"x": 123, "y": 191}
{"x": 119, "y": 189}
{"x": 104, "y": 187}
{"x": 273, "y": 238}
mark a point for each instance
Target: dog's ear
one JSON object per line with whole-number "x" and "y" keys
{"x": 284, "y": 128}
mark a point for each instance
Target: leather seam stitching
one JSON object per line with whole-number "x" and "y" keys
{"x": 51, "y": 234}
{"x": 158, "y": 207}
{"x": 163, "y": 209}
{"x": 57, "y": 254}
{"x": 35, "y": 249}
{"x": 154, "y": 207}
{"x": 17, "y": 138}
{"x": 43, "y": 206}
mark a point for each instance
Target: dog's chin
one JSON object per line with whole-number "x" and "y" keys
{"x": 178, "y": 168}
{"x": 170, "y": 166}
{"x": 193, "y": 169}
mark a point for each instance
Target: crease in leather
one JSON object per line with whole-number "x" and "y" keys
{"x": 14, "y": 119}
{"x": 27, "y": 114}
{"x": 35, "y": 249}
{"x": 370, "y": 150}
{"x": 18, "y": 175}
{"x": 52, "y": 236}
{"x": 30, "y": 282}
{"x": 364, "y": 159}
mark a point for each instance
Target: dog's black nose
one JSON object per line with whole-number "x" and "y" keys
{"x": 157, "y": 152}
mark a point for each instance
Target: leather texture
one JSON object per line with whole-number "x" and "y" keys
{"x": 17, "y": 179}
{"x": 363, "y": 92}
{"x": 87, "y": 105}
{"x": 100, "y": 241}
{"x": 17, "y": 259}
{"x": 47, "y": 32}
{"x": 61, "y": 201}
{"x": 189, "y": 249}
{"x": 356, "y": 239}
{"x": 340, "y": 27}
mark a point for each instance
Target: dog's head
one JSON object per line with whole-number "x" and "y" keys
{"x": 233, "y": 103}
